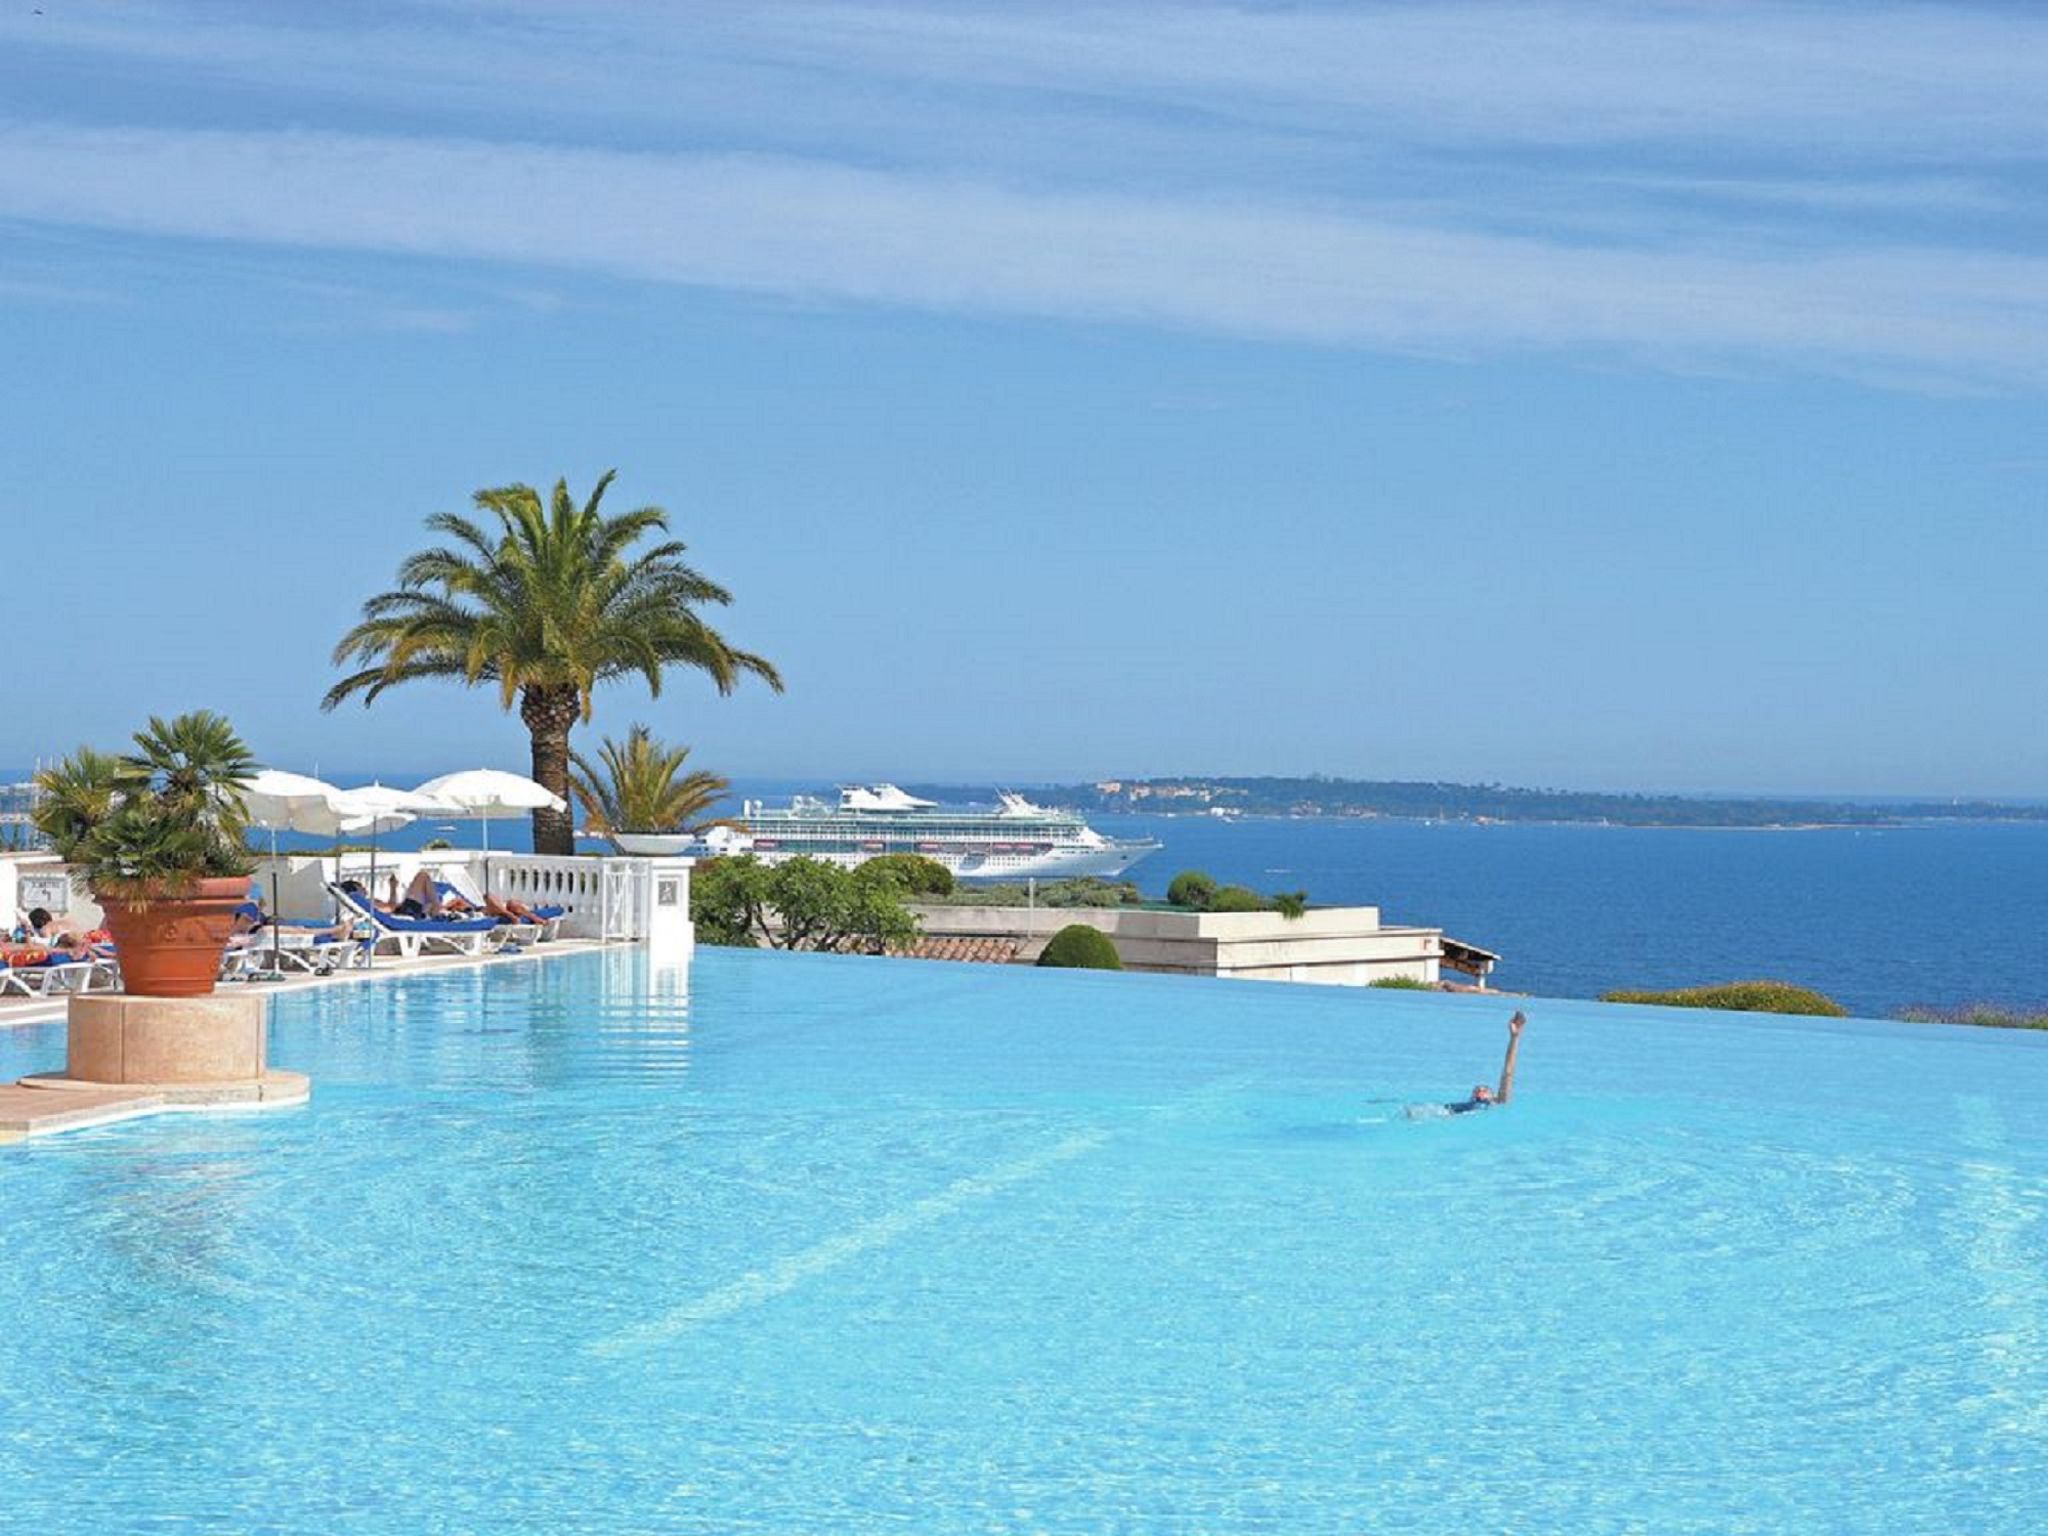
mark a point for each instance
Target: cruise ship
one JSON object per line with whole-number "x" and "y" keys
{"x": 1014, "y": 841}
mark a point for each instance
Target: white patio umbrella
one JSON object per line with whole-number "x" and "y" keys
{"x": 277, "y": 801}
{"x": 375, "y": 808}
{"x": 484, "y": 795}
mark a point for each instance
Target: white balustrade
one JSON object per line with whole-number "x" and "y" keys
{"x": 631, "y": 899}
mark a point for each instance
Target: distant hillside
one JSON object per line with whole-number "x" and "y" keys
{"x": 1319, "y": 796}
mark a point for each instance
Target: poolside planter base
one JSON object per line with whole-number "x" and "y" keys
{"x": 116, "y": 1038}
{"x": 129, "y": 1056}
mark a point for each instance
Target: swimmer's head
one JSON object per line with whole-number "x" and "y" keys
{"x": 1482, "y": 1094}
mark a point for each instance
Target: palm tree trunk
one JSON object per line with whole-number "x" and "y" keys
{"x": 548, "y": 713}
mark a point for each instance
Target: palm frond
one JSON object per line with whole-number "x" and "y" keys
{"x": 557, "y": 596}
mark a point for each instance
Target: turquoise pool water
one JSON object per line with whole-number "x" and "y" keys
{"x": 814, "y": 1244}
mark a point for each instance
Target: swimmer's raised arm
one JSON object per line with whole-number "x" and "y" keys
{"x": 1507, "y": 1067}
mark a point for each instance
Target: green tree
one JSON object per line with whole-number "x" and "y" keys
{"x": 913, "y": 873}
{"x": 821, "y": 906}
{"x": 638, "y": 785}
{"x": 544, "y": 606}
{"x": 798, "y": 904}
{"x": 729, "y": 901}
{"x": 1191, "y": 888}
{"x": 1078, "y": 947}
{"x": 874, "y": 919}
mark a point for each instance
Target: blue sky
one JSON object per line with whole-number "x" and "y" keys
{"x": 1606, "y": 395}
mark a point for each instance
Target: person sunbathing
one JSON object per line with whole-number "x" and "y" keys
{"x": 504, "y": 908}
{"x": 41, "y": 928}
{"x": 65, "y": 949}
{"x": 393, "y": 905}
{"x": 422, "y": 898}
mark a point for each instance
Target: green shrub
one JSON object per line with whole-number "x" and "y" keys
{"x": 1081, "y": 891}
{"x": 1237, "y": 898}
{"x": 1191, "y": 888}
{"x": 1983, "y": 1015}
{"x": 1090, "y": 891}
{"x": 1077, "y": 947}
{"x": 1401, "y": 984}
{"x": 1739, "y": 997}
{"x": 912, "y": 873}
{"x": 1290, "y": 904}
{"x": 435, "y": 845}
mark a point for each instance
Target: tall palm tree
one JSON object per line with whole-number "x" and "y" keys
{"x": 547, "y": 605}
{"x": 638, "y": 785}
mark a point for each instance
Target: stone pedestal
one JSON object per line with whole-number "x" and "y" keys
{"x": 119, "y": 1039}
{"x": 142, "y": 1055}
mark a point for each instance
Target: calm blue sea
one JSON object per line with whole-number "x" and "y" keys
{"x": 1876, "y": 919}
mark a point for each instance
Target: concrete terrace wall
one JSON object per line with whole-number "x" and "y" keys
{"x": 1334, "y": 946}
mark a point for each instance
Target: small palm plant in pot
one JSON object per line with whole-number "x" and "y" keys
{"x": 159, "y": 835}
{"x": 637, "y": 795}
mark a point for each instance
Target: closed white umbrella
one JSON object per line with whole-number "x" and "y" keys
{"x": 484, "y": 795}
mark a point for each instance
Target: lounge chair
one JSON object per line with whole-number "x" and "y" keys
{"x": 548, "y": 920}
{"x": 511, "y": 933}
{"x": 414, "y": 936}
{"x": 51, "y": 977}
{"x": 263, "y": 953}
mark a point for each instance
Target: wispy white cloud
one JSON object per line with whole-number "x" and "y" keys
{"x": 1699, "y": 185}
{"x": 1930, "y": 78}
{"x": 816, "y": 231}
{"x": 1923, "y": 81}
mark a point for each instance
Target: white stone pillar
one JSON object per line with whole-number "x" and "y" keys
{"x": 665, "y": 918}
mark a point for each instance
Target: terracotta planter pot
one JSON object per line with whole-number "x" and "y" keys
{"x": 170, "y": 946}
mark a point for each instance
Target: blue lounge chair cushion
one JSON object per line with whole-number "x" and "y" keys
{"x": 395, "y": 924}
{"x": 434, "y": 924}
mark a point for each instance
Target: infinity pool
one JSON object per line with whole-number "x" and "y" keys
{"x": 814, "y": 1244}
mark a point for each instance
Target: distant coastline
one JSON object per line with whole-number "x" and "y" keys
{"x": 1317, "y": 798}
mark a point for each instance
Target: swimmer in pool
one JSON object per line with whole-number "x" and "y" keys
{"x": 1484, "y": 1097}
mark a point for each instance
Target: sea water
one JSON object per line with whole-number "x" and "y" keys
{"x": 797, "y": 1243}
{"x": 1877, "y": 918}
